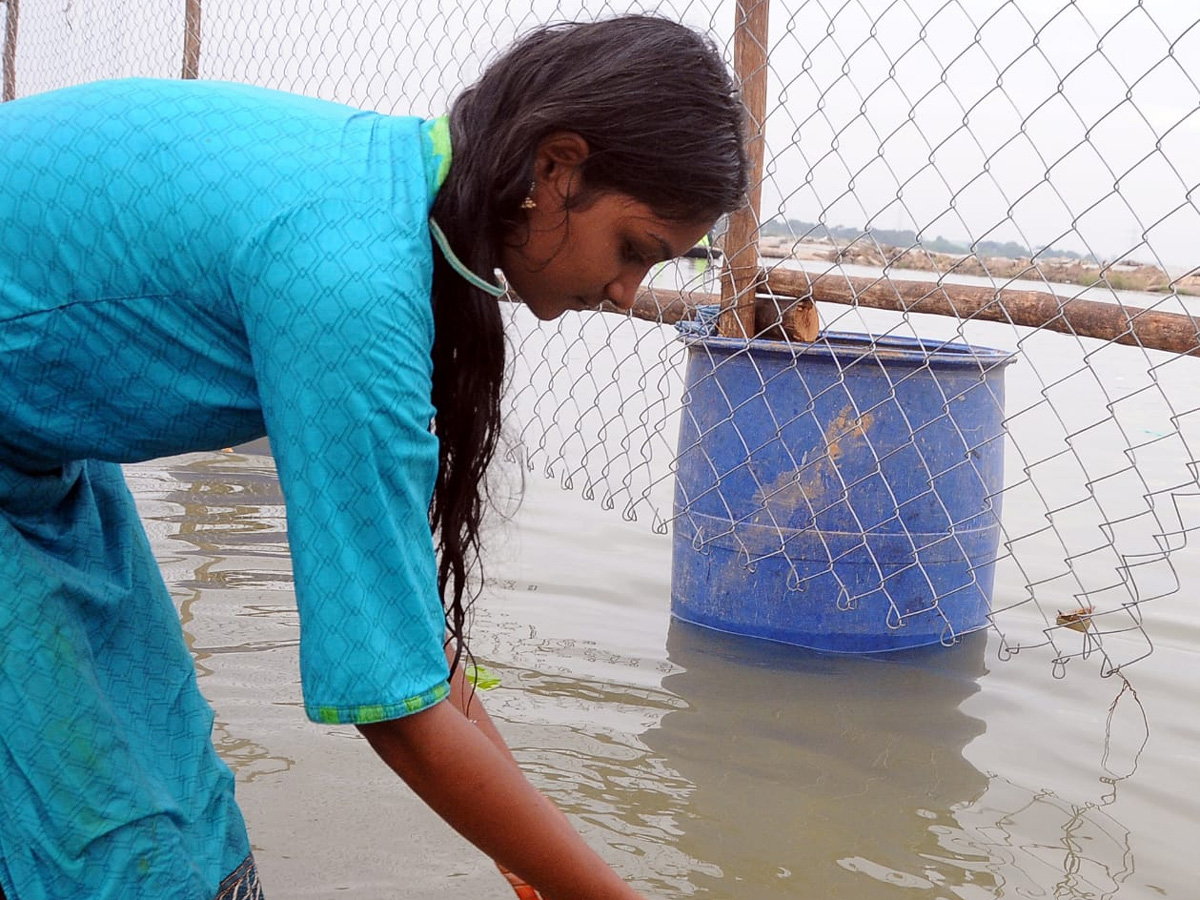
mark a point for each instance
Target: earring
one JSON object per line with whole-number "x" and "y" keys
{"x": 529, "y": 202}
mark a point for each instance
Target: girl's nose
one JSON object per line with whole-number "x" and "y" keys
{"x": 622, "y": 291}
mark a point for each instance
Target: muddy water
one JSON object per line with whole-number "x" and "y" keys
{"x": 699, "y": 764}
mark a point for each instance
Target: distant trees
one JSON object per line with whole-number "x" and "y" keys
{"x": 840, "y": 234}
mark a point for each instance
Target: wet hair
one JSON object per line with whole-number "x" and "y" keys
{"x": 664, "y": 124}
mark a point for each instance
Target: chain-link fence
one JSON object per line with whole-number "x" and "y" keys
{"x": 937, "y": 175}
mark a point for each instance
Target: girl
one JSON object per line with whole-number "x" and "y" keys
{"x": 190, "y": 265}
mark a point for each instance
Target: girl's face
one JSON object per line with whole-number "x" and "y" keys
{"x": 599, "y": 250}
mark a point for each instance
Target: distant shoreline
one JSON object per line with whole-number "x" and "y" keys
{"x": 1126, "y": 275}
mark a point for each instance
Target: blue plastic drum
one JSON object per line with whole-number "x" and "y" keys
{"x": 842, "y": 495}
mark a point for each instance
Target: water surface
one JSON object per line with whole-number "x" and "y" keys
{"x": 701, "y": 765}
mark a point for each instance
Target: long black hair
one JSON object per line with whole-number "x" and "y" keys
{"x": 663, "y": 123}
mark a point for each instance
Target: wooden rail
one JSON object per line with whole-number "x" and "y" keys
{"x": 1114, "y": 322}
{"x": 792, "y": 290}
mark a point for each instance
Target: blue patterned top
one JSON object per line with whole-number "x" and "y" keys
{"x": 189, "y": 265}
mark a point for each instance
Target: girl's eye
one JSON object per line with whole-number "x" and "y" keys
{"x": 630, "y": 254}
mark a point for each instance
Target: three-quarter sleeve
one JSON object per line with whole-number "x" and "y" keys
{"x": 336, "y": 301}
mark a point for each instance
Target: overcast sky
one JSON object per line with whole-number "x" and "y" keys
{"x": 1075, "y": 124}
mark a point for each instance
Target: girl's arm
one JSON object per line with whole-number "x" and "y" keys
{"x": 464, "y": 696}
{"x": 466, "y": 699}
{"x": 476, "y": 786}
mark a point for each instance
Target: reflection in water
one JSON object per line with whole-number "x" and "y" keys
{"x": 248, "y": 759}
{"x": 222, "y": 545}
{"x": 845, "y": 777}
{"x": 732, "y": 769}
{"x": 1043, "y": 845}
{"x": 813, "y": 770}
{"x": 231, "y": 513}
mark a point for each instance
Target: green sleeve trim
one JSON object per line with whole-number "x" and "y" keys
{"x": 379, "y": 712}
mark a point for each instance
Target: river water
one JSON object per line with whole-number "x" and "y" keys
{"x": 699, "y": 764}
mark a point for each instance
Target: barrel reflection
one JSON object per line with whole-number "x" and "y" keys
{"x": 835, "y": 773}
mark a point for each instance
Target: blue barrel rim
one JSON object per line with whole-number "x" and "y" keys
{"x": 847, "y": 347}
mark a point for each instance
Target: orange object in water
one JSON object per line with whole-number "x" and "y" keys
{"x": 524, "y": 890}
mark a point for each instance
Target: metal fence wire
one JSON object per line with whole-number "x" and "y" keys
{"x": 1010, "y": 174}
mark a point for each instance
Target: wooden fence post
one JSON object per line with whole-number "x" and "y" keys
{"x": 11, "y": 15}
{"x": 742, "y": 273}
{"x": 191, "y": 39}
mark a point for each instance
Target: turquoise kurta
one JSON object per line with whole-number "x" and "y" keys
{"x": 184, "y": 266}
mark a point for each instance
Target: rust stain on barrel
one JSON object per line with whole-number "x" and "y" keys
{"x": 811, "y": 485}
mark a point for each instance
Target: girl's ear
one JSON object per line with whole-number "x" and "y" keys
{"x": 559, "y": 156}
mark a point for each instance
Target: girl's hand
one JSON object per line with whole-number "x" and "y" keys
{"x": 481, "y": 793}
